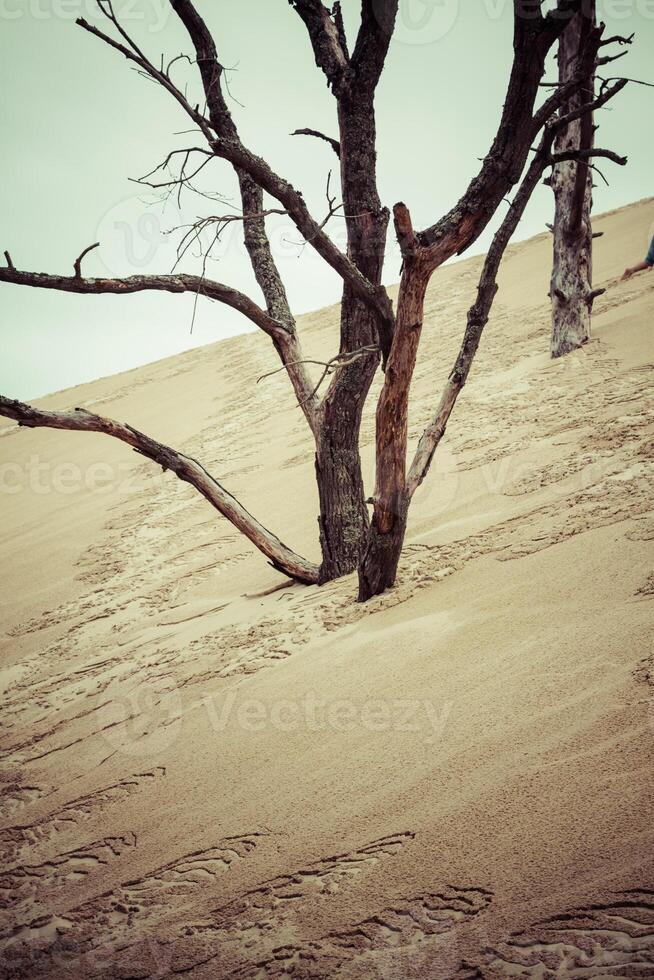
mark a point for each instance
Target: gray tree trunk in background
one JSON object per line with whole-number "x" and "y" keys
{"x": 572, "y": 182}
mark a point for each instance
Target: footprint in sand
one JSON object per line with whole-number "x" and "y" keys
{"x": 26, "y": 883}
{"x": 90, "y": 938}
{"x": 15, "y": 839}
{"x": 413, "y": 925}
{"x": 613, "y": 940}
{"x": 255, "y": 920}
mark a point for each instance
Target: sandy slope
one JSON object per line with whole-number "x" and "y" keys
{"x": 211, "y": 773}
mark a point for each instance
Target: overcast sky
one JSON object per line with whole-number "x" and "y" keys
{"x": 77, "y": 123}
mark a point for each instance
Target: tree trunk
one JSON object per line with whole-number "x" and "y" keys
{"x": 394, "y": 489}
{"x": 572, "y": 273}
{"x": 386, "y": 536}
{"x": 378, "y": 569}
{"x": 344, "y": 518}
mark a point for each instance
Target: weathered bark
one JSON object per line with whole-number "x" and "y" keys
{"x": 571, "y": 289}
{"x": 384, "y": 542}
{"x": 378, "y": 569}
{"x": 344, "y": 520}
{"x": 344, "y": 517}
{"x": 184, "y": 467}
{"x": 353, "y": 80}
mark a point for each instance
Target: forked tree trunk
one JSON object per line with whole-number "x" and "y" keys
{"x": 572, "y": 272}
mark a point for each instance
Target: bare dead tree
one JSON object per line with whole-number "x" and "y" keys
{"x": 370, "y": 331}
{"x": 571, "y": 289}
{"x": 572, "y": 182}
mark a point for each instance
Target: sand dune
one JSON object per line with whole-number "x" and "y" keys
{"x": 210, "y": 772}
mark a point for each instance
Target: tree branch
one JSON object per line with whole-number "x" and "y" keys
{"x": 326, "y": 36}
{"x": 534, "y": 35}
{"x": 587, "y": 154}
{"x": 353, "y": 82}
{"x": 373, "y": 40}
{"x": 335, "y": 145}
{"x": 154, "y": 73}
{"x": 394, "y": 490}
{"x": 185, "y": 468}
{"x": 606, "y": 94}
{"x": 233, "y": 150}
{"x": 477, "y": 319}
{"x": 78, "y": 261}
{"x": 374, "y": 296}
{"x": 262, "y": 178}
{"x": 246, "y": 165}
{"x": 486, "y": 291}
{"x": 618, "y": 39}
{"x": 181, "y": 283}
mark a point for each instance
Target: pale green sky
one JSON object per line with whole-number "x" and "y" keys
{"x": 77, "y": 123}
